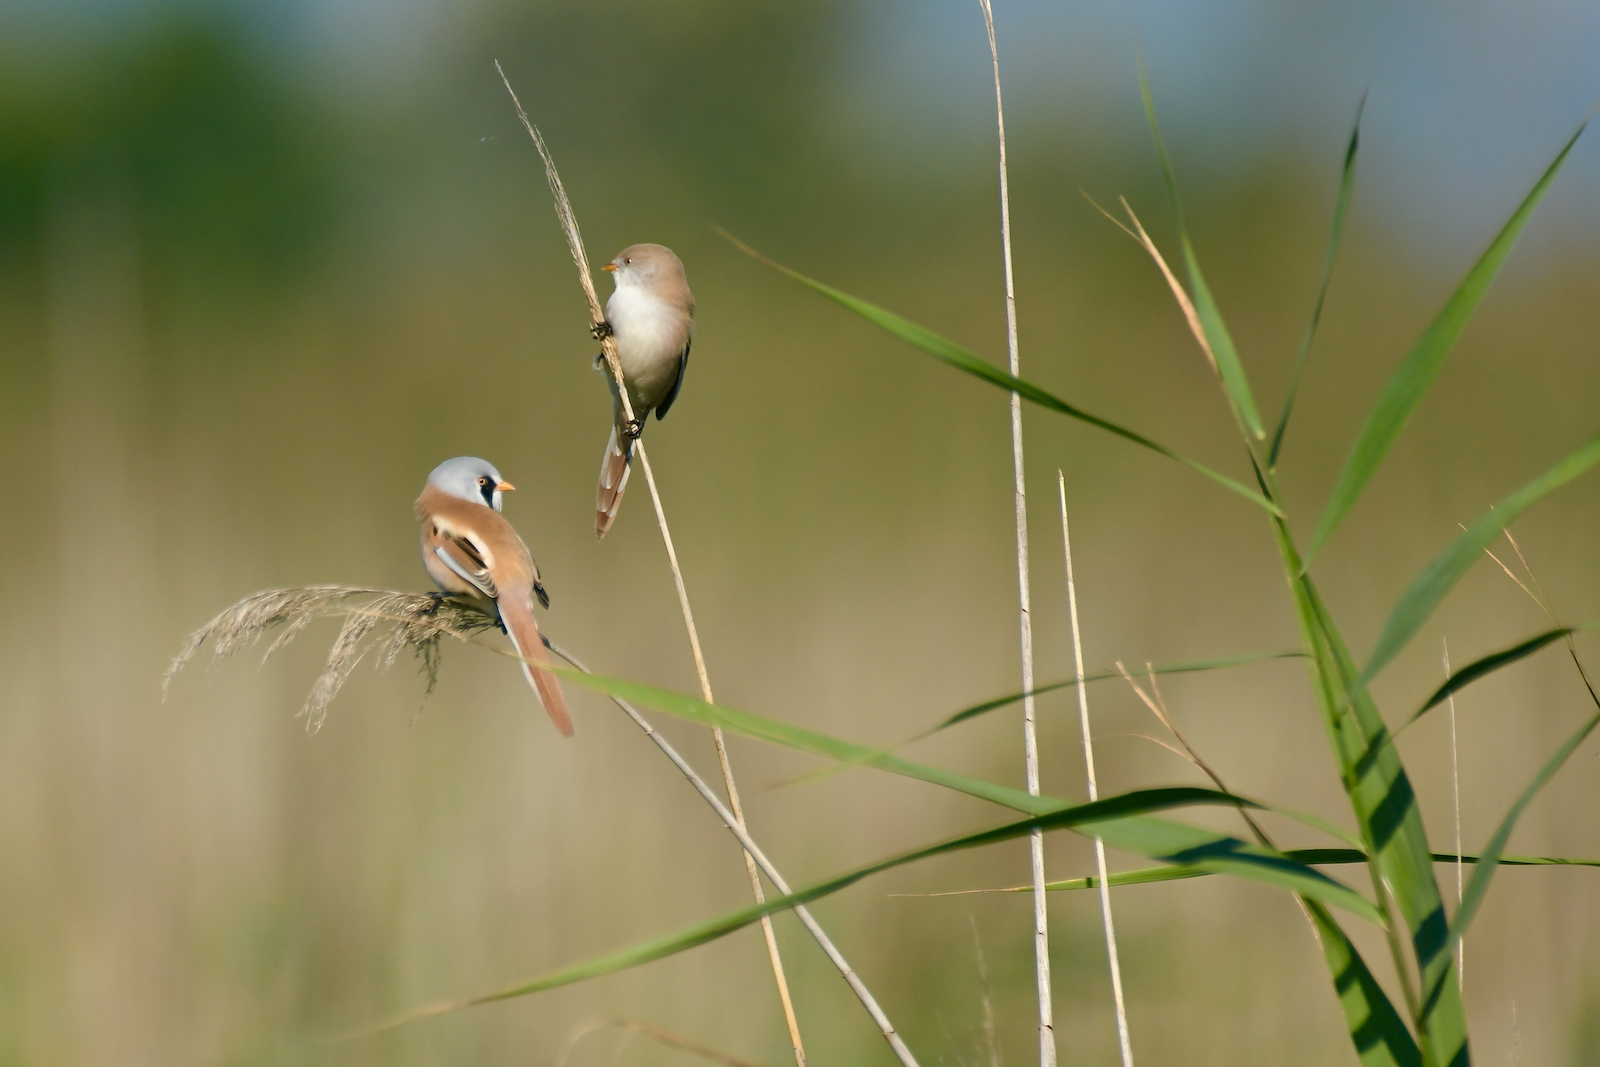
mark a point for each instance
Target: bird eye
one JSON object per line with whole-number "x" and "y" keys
{"x": 483, "y": 481}
{"x": 628, "y": 260}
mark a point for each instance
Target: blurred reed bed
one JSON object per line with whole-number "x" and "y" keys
{"x": 200, "y": 882}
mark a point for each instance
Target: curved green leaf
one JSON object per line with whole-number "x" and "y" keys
{"x": 1439, "y": 576}
{"x": 771, "y": 730}
{"x": 1341, "y": 208}
{"x": 1171, "y": 668}
{"x": 949, "y": 352}
{"x": 1463, "y": 678}
{"x": 763, "y": 729}
{"x": 1311, "y": 857}
{"x": 977, "y": 710}
{"x": 1405, "y": 390}
{"x": 1386, "y": 809}
{"x": 1125, "y": 814}
{"x": 1376, "y": 1029}
{"x": 1229, "y": 369}
{"x": 1479, "y": 668}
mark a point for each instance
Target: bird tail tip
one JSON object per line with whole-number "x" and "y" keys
{"x": 524, "y": 634}
{"x": 615, "y": 466}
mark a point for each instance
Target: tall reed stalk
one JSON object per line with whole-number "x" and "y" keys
{"x": 1113, "y": 961}
{"x": 569, "y": 226}
{"x": 1030, "y": 739}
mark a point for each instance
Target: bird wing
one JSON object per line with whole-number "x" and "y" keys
{"x": 466, "y": 558}
{"x": 538, "y": 583}
{"x": 677, "y": 383}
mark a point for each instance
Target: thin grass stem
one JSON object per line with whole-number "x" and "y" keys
{"x": 752, "y": 850}
{"x": 608, "y": 344}
{"x": 1112, "y": 958}
{"x": 1030, "y": 740}
{"x": 722, "y": 758}
{"x": 991, "y": 1044}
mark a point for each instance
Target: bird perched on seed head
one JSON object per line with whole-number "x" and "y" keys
{"x": 469, "y": 549}
{"x": 651, "y": 315}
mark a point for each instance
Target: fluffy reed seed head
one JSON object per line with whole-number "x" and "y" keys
{"x": 378, "y": 621}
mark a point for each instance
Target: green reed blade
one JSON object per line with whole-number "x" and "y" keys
{"x": 1417, "y": 372}
{"x": 1441, "y": 575}
{"x": 949, "y": 352}
{"x": 1341, "y": 208}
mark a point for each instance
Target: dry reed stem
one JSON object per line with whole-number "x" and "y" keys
{"x": 1158, "y": 705}
{"x": 608, "y": 346}
{"x": 1190, "y": 315}
{"x": 737, "y": 828}
{"x": 1112, "y": 958}
{"x": 1030, "y": 741}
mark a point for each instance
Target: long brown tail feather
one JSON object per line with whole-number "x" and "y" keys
{"x": 517, "y": 613}
{"x": 614, "y": 469}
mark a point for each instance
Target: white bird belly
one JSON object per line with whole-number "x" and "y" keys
{"x": 651, "y": 335}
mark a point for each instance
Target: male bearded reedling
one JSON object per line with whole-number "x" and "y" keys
{"x": 651, "y": 315}
{"x": 469, "y": 549}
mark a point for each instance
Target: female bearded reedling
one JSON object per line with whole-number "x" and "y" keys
{"x": 470, "y": 550}
{"x": 651, "y": 315}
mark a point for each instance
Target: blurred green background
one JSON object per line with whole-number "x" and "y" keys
{"x": 263, "y": 265}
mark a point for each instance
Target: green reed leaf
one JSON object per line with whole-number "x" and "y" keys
{"x": 949, "y": 352}
{"x": 1487, "y": 665}
{"x": 1125, "y": 816}
{"x": 1390, "y": 819}
{"x": 1441, "y": 575}
{"x": 1229, "y": 369}
{"x": 1405, "y": 389}
{"x": 1144, "y": 836}
{"x": 1376, "y": 1029}
{"x": 1311, "y": 857}
{"x": 1341, "y": 208}
{"x": 977, "y": 710}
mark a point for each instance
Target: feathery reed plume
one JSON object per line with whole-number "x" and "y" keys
{"x": 608, "y": 347}
{"x": 1113, "y": 960}
{"x": 382, "y": 622}
{"x": 1030, "y": 740}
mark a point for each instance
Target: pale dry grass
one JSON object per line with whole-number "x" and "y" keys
{"x": 382, "y": 623}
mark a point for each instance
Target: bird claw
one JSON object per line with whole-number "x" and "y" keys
{"x": 632, "y": 429}
{"x": 438, "y": 599}
{"x": 600, "y": 330}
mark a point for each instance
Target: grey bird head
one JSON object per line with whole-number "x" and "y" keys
{"x": 647, "y": 265}
{"x": 470, "y": 478}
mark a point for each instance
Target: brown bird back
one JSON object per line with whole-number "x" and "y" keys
{"x": 496, "y": 565}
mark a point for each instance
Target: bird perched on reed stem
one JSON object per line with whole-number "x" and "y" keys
{"x": 651, "y": 315}
{"x": 469, "y": 549}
